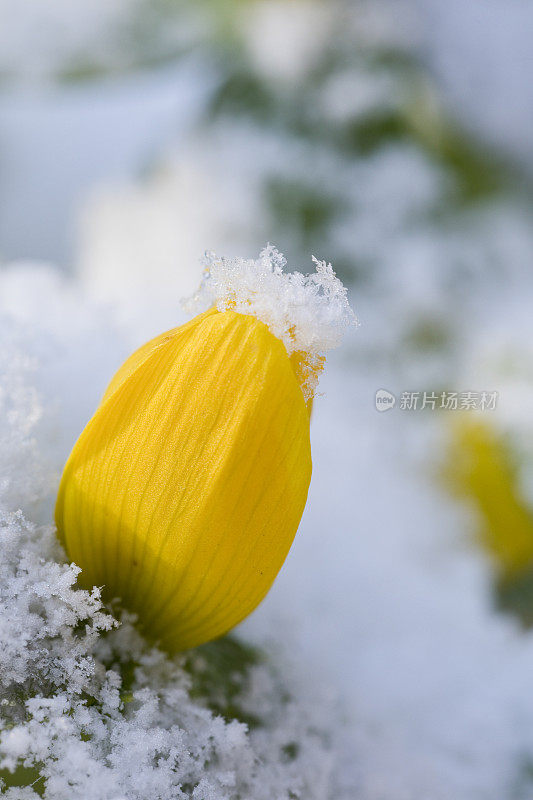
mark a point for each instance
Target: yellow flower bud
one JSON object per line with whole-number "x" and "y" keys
{"x": 183, "y": 494}
{"x": 481, "y": 468}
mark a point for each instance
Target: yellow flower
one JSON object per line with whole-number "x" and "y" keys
{"x": 183, "y": 494}
{"x": 481, "y": 468}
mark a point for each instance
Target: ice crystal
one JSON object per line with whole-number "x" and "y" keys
{"x": 309, "y": 313}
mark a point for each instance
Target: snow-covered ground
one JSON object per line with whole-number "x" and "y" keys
{"x": 106, "y": 716}
{"x": 388, "y": 593}
{"x": 386, "y": 600}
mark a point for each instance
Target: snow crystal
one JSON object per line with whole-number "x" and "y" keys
{"x": 308, "y": 313}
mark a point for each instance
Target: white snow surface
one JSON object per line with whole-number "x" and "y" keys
{"x": 382, "y": 595}
{"x": 64, "y": 710}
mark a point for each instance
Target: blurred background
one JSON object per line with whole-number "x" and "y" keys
{"x": 393, "y": 138}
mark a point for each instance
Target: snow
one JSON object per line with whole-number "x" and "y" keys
{"x": 90, "y": 709}
{"x": 385, "y": 593}
{"x": 308, "y": 313}
{"x": 386, "y": 596}
{"x": 400, "y": 610}
{"x": 382, "y": 595}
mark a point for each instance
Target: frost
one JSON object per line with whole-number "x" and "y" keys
{"x": 308, "y": 313}
{"x": 87, "y": 707}
{"x": 109, "y": 717}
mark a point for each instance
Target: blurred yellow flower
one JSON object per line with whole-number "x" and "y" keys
{"x": 482, "y": 469}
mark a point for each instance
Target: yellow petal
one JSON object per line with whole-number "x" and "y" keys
{"x": 185, "y": 490}
{"x": 140, "y": 355}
